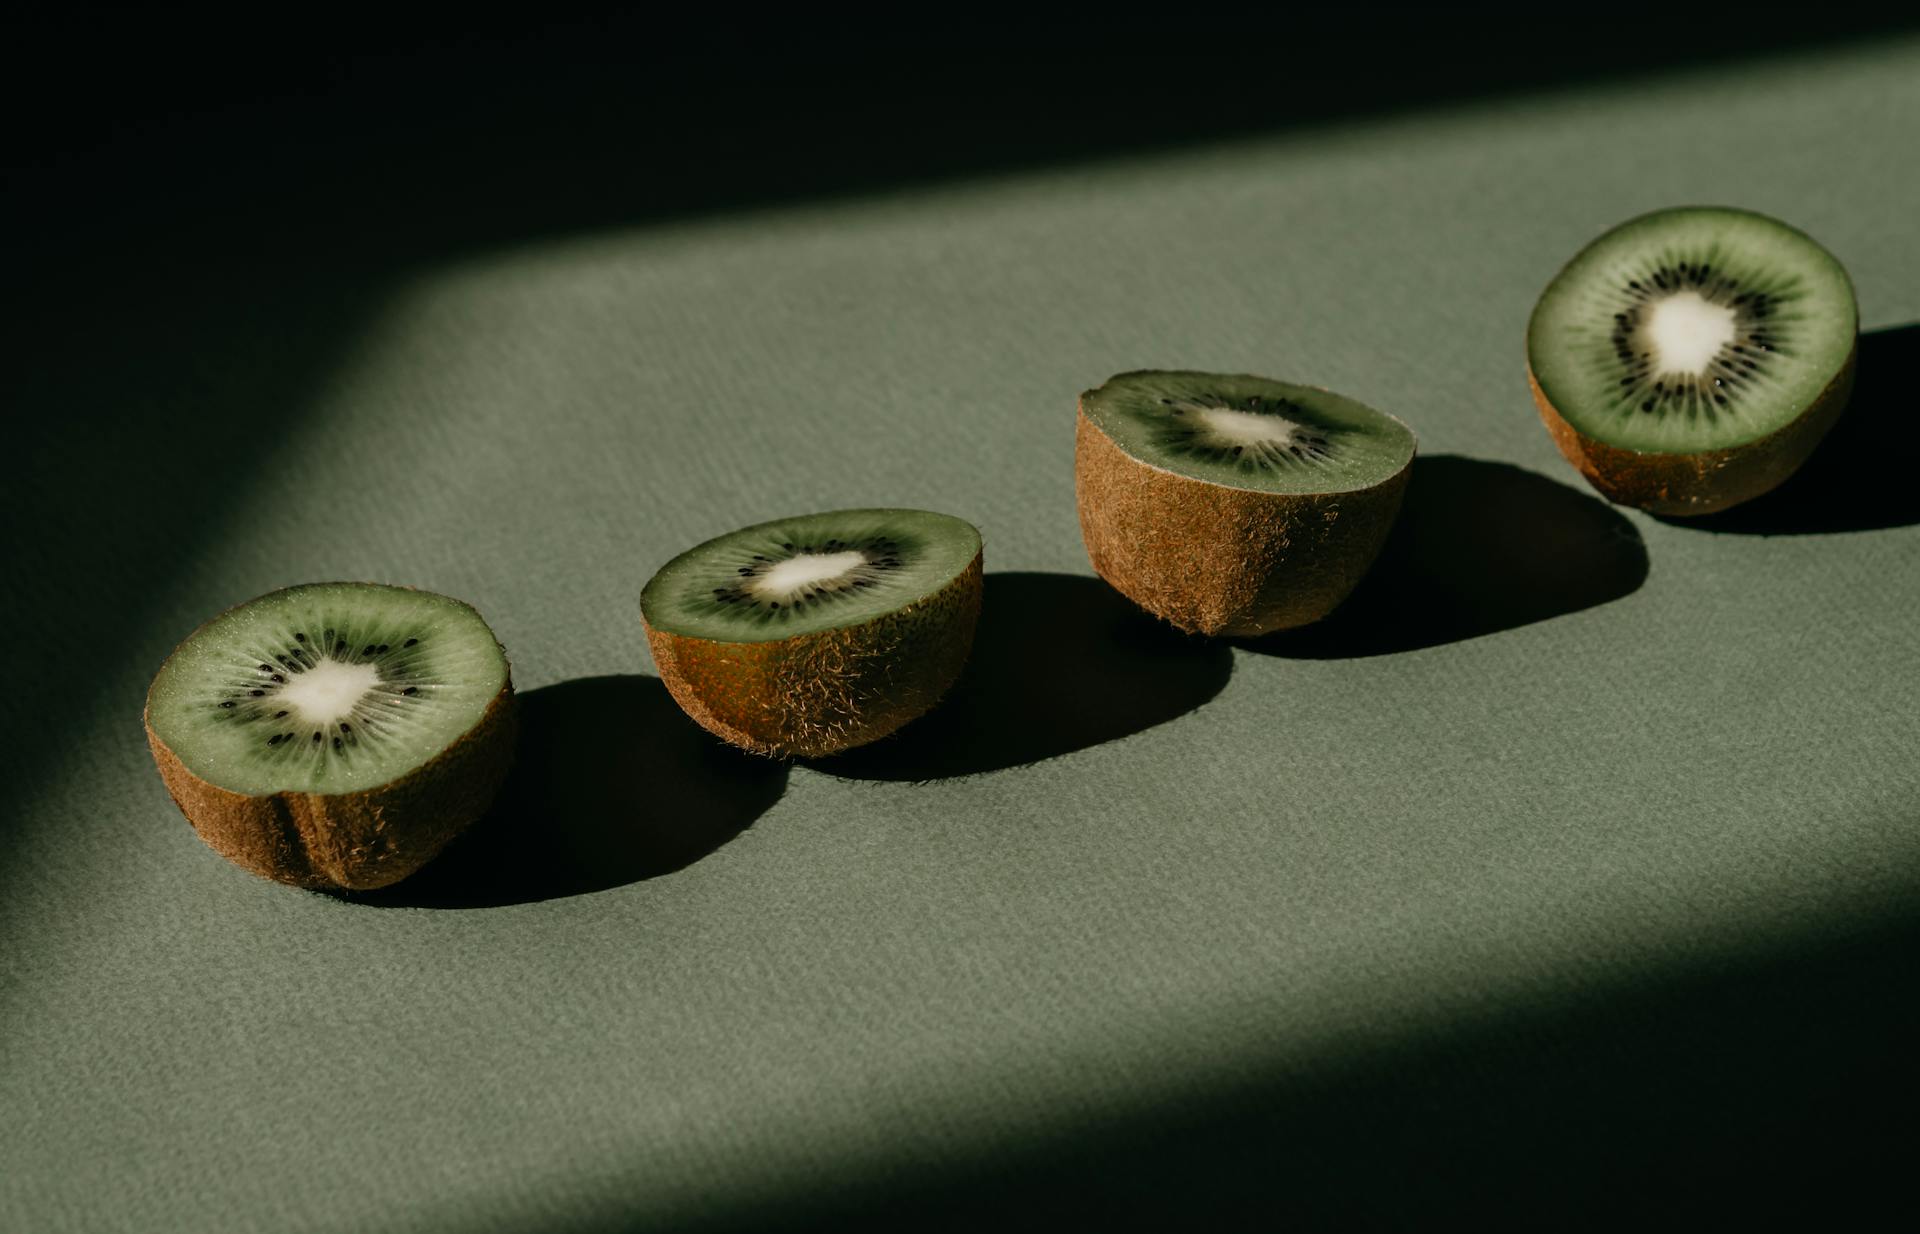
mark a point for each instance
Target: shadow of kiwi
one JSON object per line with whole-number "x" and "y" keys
{"x": 1479, "y": 547}
{"x": 613, "y": 784}
{"x": 1060, "y": 663}
{"x": 1861, "y": 478}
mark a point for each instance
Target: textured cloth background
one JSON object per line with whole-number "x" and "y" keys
{"x": 1587, "y": 836}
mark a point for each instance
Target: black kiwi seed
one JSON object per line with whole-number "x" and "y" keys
{"x": 345, "y": 727}
{"x": 228, "y": 703}
{"x": 410, "y": 642}
{"x": 257, "y": 693}
{"x": 299, "y": 638}
{"x": 411, "y": 690}
{"x": 336, "y": 743}
{"x": 279, "y": 715}
{"x": 266, "y": 668}
{"x": 369, "y": 651}
{"x": 316, "y": 739}
{"x": 277, "y": 677}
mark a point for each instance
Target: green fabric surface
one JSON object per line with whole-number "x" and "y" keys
{"x": 1564, "y": 784}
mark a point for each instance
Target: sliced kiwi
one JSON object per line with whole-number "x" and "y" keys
{"x": 1236, "y": 505}
{"x": 810, "y": 635}
{"x": 334, "y": 735}
{"x": 1691, "y": 359}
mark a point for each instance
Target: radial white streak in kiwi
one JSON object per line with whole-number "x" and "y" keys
{"x": 789, "y": 578}
{"x": 392, "y": 716}
{"x": 1686, "y": 332}
{"x": 329, "y": 691}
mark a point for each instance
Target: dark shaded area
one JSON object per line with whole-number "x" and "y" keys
{"x": 1060, "y": 662}
{"x": 1775, "y": 1089}
{"x": 506, "y": 127}
{"x": 1862, "y": 477}
{"x": 141, "y": 407}
{"x": 411, "y": 143}
{"x": 613, "y": 785}
{"x": 1479, "y": 547}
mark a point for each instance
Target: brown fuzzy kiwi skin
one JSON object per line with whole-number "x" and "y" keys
{"x": 821, "y": 693}
{"x": 350, "y": 841}
{"x": 1686, "y": 485}
{"x": 1225, "y": 561}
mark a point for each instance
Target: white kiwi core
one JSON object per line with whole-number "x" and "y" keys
{"x": 329, "y": 691}
{"x": 795, "y": 574}
{"x": 1687, "y": 331}
{"x": 1225, "y": 427}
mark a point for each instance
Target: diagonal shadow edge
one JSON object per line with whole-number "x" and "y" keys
{"x": 1664, "y": 1089}
{"x": 583, "y": 80}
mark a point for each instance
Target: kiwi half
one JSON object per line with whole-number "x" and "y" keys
{"x": 1691, "y": 359}
{"x": 815, "y": 634}
{"x": 1234, "y": 505}
{"x": 334, "y": 735}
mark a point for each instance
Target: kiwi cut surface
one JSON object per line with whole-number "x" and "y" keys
{"x": 334, "y": 735}
{"x": 810, "y": 635}
{"x": 1231, "y": 504}
{"x": 1692, "y": 358}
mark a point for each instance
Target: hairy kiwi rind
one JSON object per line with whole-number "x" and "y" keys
{"x": 1216, "y": 560}
{"x": 820, "y": 693}
{"x": 1689, "y": 484}
{"x": 350, "y": 841}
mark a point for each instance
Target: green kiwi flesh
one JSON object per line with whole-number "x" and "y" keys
{"x": 1249, "y": 432}
{"x": 813, "y": 634}
{"x": 328, "y": 709}
{"x": 1691, "y": 358}
{"x": 1230, "y": 504}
